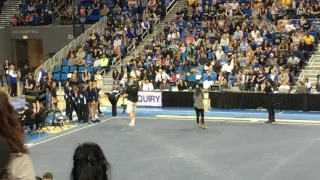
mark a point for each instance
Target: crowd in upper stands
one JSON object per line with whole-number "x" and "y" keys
{"x": 233, "y": 44}
{"x": 1, "y": 4}
{"x": 126, "y": 23}
{"x": 37, "y": 12}
{"x": 90, "y": 11}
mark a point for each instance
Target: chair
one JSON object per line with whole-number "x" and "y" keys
{"x": 97, "y": 68}
{"x": 26, "y": 125}
{"x": 90, "y": 69}
{"x": 58, "y": 120}
{"x": 64, "y": 77}
{"x": 57, "y": 69}
{"x": 65, "y": 62}
{"x": 81, "y": 69}
{"x": 192, "y": 78}
{"x": 43, "y": 124}
{"x": 73, "y": 68}
{"x": 65, "y": 69}
{"x": 57, "y": 76}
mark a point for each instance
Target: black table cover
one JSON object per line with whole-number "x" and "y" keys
{"x": 233, "y": 100}
{"x": 177, "y": 99}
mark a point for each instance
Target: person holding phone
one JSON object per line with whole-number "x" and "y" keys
{"x": 199, "y": 107}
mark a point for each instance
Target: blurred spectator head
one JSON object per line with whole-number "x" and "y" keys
{"x": 89, "y": 162}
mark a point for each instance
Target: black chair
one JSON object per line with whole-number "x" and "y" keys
{"x": 27, "y": 124}
{"x": 43, "y": 123}
{"x": 59, "y": 120}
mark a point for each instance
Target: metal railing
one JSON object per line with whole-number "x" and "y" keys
{"x": 301, "y": 76}
{"x": 62, "y": 54}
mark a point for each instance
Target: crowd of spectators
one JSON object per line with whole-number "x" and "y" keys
{"x": 32, "y": 12}
{"x": 105, "y": 44}
{"x": 233, "y": 44}
{"x": 90, "y": 11}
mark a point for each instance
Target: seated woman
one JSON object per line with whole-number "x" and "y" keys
{"x": 164, "y": 85}
{"x": 41, "y": 114}
{"x": 182, "y": 85}
{"x": 27, "y": 118}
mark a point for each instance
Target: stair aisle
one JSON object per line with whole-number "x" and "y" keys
{"x": 108, "y": 79}
{"x": 8, "y": 12}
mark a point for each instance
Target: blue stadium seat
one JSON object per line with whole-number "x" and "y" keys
{"x": 248, "y": 12}
{"x": 64, "y": 77}
{"x": 65, "y": 69}
{"x": 73, "y": 68}
{"x": 97, "y": 68}
{"x": 314, "y": 34}
{"x": 57, "y": 69}
{"x": 90, "y": 69}
{"x": 57, "y": 76}
{"x": 65, "y": 62}
{"x": 192, "y": 77}
{"x": 81, "y": 69}
{"x": 184, "y": 55}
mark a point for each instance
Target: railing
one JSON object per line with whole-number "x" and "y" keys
{"x": 301, "y": 76}
{"x": 57, "y": 58}
{"x": 169, "y": 8}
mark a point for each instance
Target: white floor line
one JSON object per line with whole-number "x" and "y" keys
{"x": 241, "y": 120}
{"x": 281, "y": 112}
{"x": 64, "y": 134}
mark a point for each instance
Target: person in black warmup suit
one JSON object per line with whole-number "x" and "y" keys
{"x": 113, "y": 98}
{"x": 269, "y": 101}
{"x": 83, "y": 104}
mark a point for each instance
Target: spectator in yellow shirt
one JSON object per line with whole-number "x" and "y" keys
{"x": 285, "y": 3}
{"x": 104, "y": 63}
{"x": 309, "y": 41}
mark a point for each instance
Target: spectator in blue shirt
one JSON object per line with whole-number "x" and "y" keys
{"x": 89, "y": 60}
{"x": 256, "y": 66}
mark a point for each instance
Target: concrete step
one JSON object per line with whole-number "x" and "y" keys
{"x": 314, "y": 67}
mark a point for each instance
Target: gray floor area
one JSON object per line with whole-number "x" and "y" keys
{"x": 177, "y": 150}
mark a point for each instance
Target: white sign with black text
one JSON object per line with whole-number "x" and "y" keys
{"x": 150, "y": 98}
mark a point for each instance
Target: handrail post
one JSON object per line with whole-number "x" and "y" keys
{"x": 135, "y": 50}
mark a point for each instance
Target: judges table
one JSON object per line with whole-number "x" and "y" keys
{"x": 243, "y": 100}
{"x": 177, "y": 99}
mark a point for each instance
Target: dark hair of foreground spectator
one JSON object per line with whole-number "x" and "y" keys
{"x": 89, "y": 163}
{"x": 11, "y": 129}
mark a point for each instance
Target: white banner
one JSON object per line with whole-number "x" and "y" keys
{"x": 150, "y": 98}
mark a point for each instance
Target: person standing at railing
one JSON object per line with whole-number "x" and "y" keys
{"x": 13, "y": 76}
{"x": 145, "y": 25}
{"x": 41, "y": 76}
{"x": 6, "y": 66}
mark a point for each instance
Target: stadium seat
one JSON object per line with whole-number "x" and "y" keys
{"x": 97, "y": 68}
{"x": 65, "y": 69}
{"x": 57, "y": 76}
{"x": 90, "y": 69}
{"x": 57, "y": 69}
{"x": 64, "y": 77}
{"x": 65, "y": 62}
{"x": 81, "y": 69}
{"x": 314, "y": 34}
{"x": 192, "y": 77}
{"x": 73, "y": 68}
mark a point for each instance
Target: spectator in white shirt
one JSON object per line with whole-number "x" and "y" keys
{"x": 285, "y": 86}
{"x": 258, "y": 40}
{"x": 293, "y": 60}
{"x": 117, "y": 42}
{"x": 224, "y": 40}
{"x": 219, "y": 53}
{"x": 307, "y": 83}
{"x": 147, "y": 86}
{"x": 289, "y": 26}
{"x": 160, "y": 76}
{"x": 135, "y": 74}
{"x": 238, "y": 34}
{"x": 254, "y": 32}
{"x": 227, "y": 67}
{"x": 145, "y": 24}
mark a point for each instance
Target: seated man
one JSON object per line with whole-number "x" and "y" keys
{"x": 239, "y": 84}
{"x": 251, "y": 79}
{"x": 301, "y": 89}
{"x": 309, "y": 41}
{"x": 41, "y": 114}
{"x": 27, "y": 119}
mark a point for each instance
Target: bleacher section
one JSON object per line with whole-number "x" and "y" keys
{"x": 37, "y": 14}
